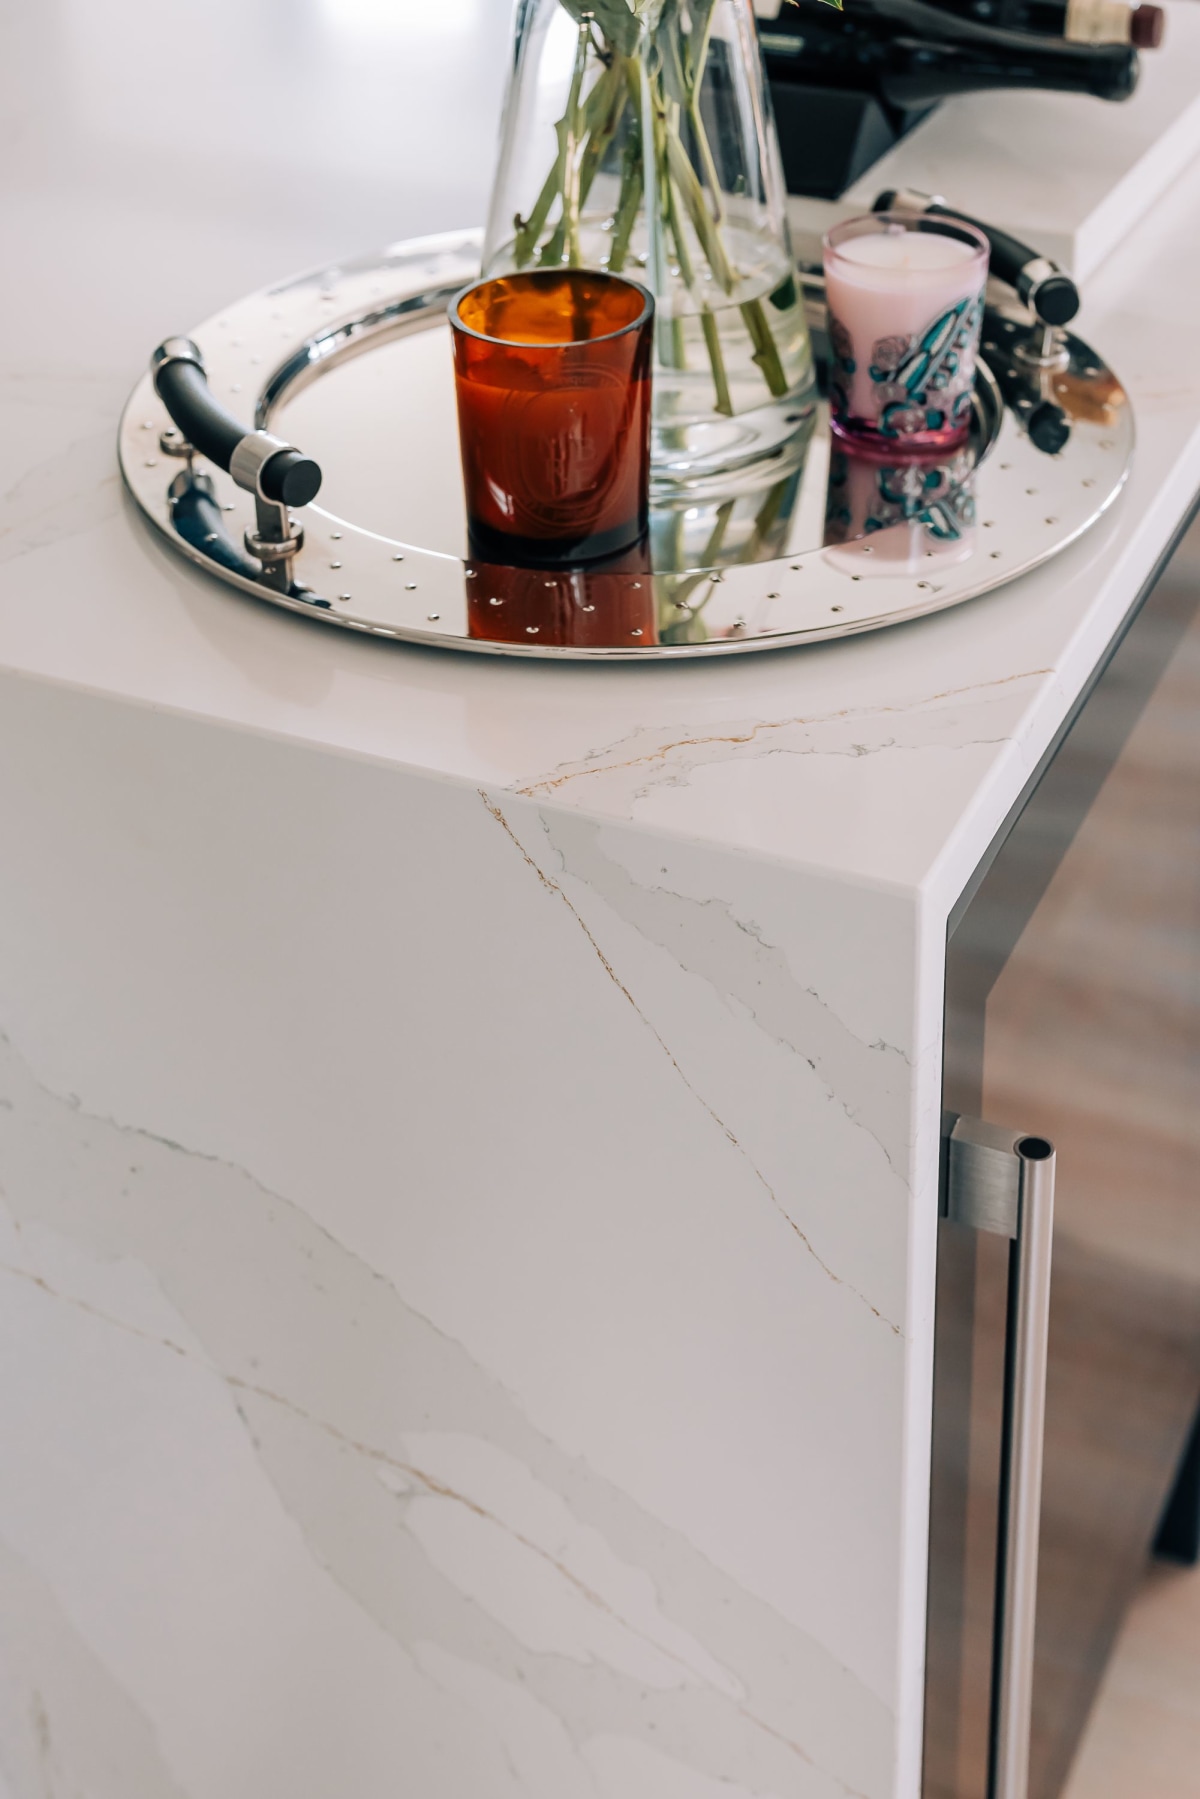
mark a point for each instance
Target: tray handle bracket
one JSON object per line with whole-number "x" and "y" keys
{"x": 278, "y": 475}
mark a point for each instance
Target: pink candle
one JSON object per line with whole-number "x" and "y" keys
{"x": 905, "y": 309}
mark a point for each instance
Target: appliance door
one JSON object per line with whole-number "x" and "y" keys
{"x": 1073, "y": 1012}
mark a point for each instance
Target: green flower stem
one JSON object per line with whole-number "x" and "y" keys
{"x": 552, "y": 250}
{"x": 603, "y": 112}
{"x": 677, "y": 173}
{"x": 697, "y": 58}
{"x": 680, "y": 588}
{"x": 703, "y": 224}
{"x": 697, "y": 48}
{"x": 766, "y": 350}
{"x": 655, "y": 165}
{"x": 561, "y": 182}
{"x": 716, "y": 541}
{"x": 557, "y": 182}
{"x": 765, "y": 519}
{"x": 530, "y": 229}
{"x": 672, "y": 159}
{"x": 766, "y": 353}
{"x": 670, "y": 55}
{"x": 628, "y": 200}
{"x": 706, "y": 160}
{"x": 716, "y": 356}
{"x": 570, "y": 130}
{"x": 671, "y": 330}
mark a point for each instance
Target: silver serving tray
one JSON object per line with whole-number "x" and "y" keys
{"x": 742, "y": 568}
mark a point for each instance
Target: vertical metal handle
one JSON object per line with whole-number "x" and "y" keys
{"x": 1002, "y": 1181}
{"x": 1021, "y": 1471}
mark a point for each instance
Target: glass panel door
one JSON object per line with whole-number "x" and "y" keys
{"x": 1073, "y": 1012}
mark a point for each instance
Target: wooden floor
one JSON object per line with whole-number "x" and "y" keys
{"x": 1143, "y": 1739}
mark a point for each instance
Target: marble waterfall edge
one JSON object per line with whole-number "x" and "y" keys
{"x": 457, "y": 1326}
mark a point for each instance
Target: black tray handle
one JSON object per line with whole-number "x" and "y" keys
{"x": 1047, "y": 290}
{"x": 264, "y": 465}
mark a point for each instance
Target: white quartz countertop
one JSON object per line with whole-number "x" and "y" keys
{"x": 132, "y": 206}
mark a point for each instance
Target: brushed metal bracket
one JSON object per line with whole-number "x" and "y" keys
{"x": 983, "y": 1177}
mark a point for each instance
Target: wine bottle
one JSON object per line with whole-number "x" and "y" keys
{"x": 1075, "y": 21}
{"x": 911, "y": 54}
{"x": 1078, "y": 21}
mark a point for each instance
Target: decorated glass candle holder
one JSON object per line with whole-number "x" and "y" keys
{"x": 905, "y": 301}
{"x": 552, "y": 373}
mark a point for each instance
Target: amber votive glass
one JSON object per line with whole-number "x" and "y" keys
{"x": 553, "y": 373}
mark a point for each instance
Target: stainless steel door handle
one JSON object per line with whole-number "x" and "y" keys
{"x": 1003, "y": 1181}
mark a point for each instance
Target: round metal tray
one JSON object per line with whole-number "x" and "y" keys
{"x": 789, "y": 552}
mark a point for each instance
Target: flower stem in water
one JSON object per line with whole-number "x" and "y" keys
{"x": 649, "y": 90}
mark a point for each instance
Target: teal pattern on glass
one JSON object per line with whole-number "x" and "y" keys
{"x": 921, "y": 383}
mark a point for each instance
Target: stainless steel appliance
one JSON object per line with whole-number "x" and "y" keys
{"x": 1073, "y": 1013}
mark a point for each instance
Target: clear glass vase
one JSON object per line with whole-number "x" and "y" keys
{"x": 638, "y": 137}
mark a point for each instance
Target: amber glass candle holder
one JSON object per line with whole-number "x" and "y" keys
{"x": 553, "y": 375}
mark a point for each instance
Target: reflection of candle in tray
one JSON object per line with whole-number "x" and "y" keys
{"x": 904, "y": 515}
{"x": 905, "y": 307}
{"x": 609, "y": 607}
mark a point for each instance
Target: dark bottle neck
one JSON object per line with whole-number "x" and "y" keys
{"x": 917, "y": 73}
{"x": 1048, "y": 17}
{"x": 1079, "y": 21}
{"x": 880, "y": 53}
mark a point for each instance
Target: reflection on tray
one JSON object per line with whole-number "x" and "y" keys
{"x": 749, "y": 517}
{"x": 899, "y": 516}
{"x": 658, "y": 592}
{"x": 197, "y": 516}
{"x": 902, "y": 514}
{"x": 1095, "y": 399}
{"x": 598, "y": 607}
{"x": 591, "y": 608}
